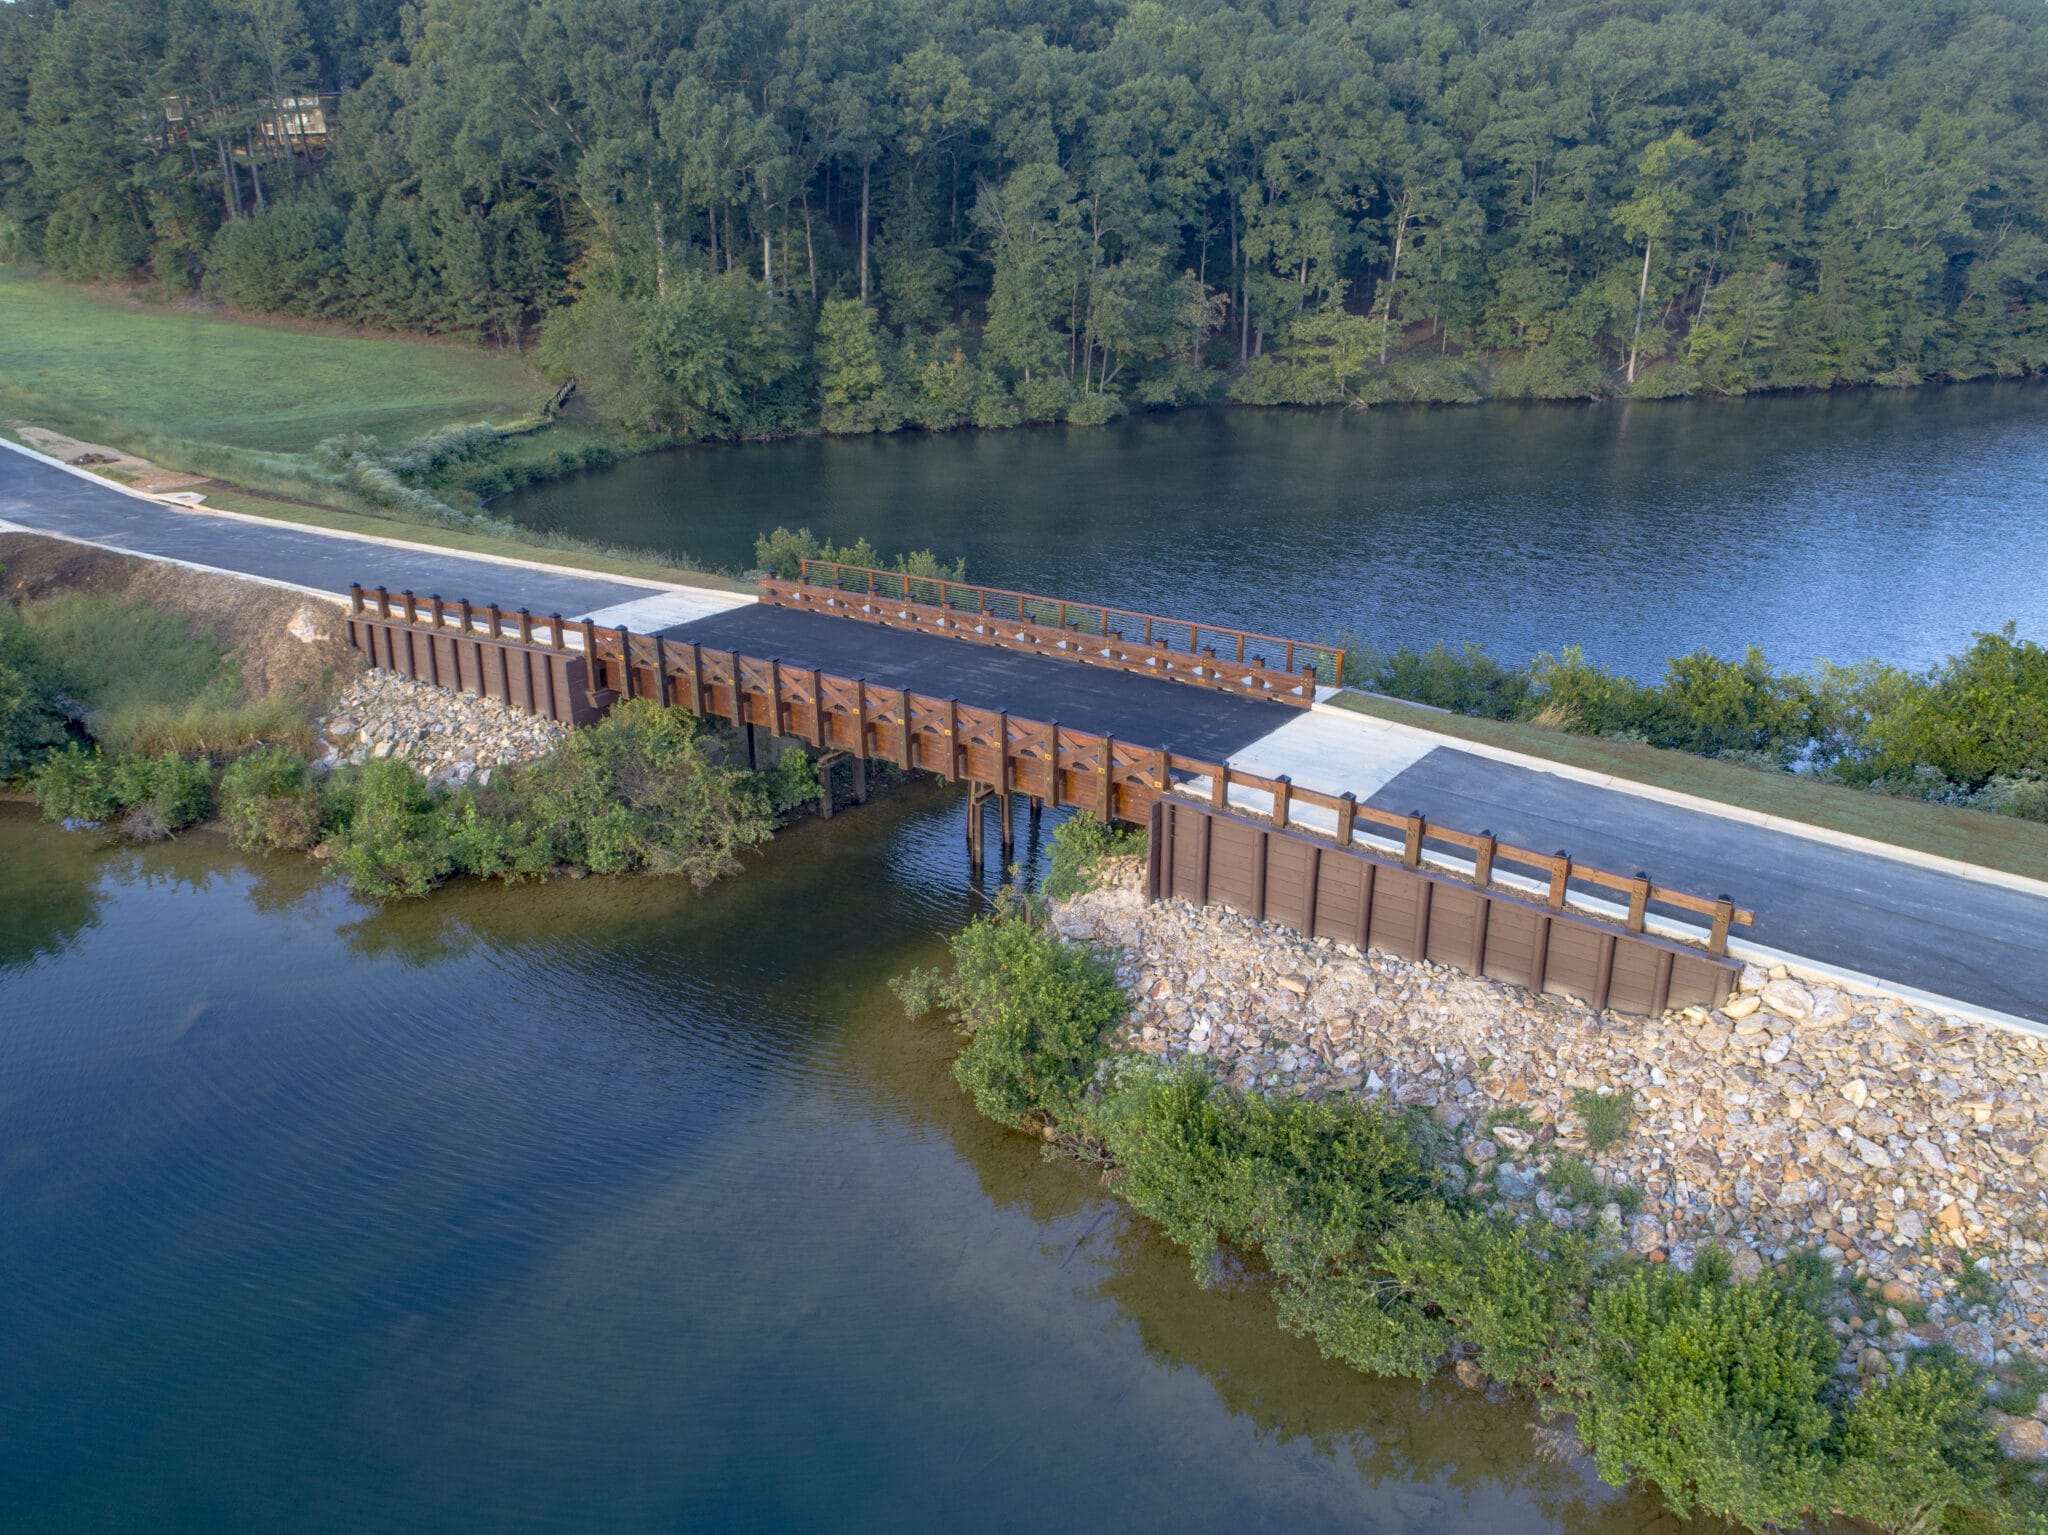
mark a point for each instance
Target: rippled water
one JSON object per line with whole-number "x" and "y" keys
{"x": 1837, "y": 526}
{"x": 609, "y": 1206}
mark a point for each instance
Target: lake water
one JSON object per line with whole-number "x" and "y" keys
{"x": 1836, "y": 526}
{"x": 609, "y": 1206}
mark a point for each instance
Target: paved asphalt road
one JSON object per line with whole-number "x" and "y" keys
{"x": 1912, "y": 926}
{"x": 1977, "y": 942}
{"x": 1142, "y": 710}
{"x": 38, "y": 496}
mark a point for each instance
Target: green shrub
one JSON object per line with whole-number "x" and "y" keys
{"x": 782, "y": 554}
{"x": 75, "y": 784}
{"x": 1310, "y": 1185}
{"x": 795, "y": 781}
{"x": 1034, "y": 1006}
{"x": 269, "y": 802}
{"x": 1587, "y": 697}
{"x": 1079, "y": 845}
{"x": 1711, "y": 1391}
{"x": 161, "y": 794}
{"x": 637, "y": 792}
{"x": 396, "y": 841}
{"x": 1916, "y": 1448}
{"x": 1467, "y": 681}
{"x": 1981, "y": 713}
{"x": 1519, "y": 1294}
{"x": 1606, "y": 1116}
{"x": 1710, "y": 706}
{"x": 32, "y": 721}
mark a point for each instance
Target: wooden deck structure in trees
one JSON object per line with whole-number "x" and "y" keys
{"x": 573, "y": 672}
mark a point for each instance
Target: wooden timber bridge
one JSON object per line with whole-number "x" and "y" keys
{"x": 803, "y": 664}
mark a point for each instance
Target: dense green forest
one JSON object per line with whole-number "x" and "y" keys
{"x": 724, "y": 217}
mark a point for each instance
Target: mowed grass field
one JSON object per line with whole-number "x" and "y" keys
{"x": 82, "y": 355}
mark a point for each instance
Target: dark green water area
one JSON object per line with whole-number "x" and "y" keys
{"x": 611, "y": 1206}
{"x": 1829, "y": 526}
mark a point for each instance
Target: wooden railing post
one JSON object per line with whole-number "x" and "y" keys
{"x": 525, "y": 627}
{"x": 557, "y": 640}
{"x": 1347, "y": 817}
{"x": 439, "y": 611}
{"x": 1219, "y": 788}
{"x": 355, "y": 598}
{"x": 464, "y": 619}
{"x": 1724, "y": 913}
{"x": 1411, "y": 846}
{"x": 1482, "y": 860}
{"x": 1560, "y": 877}
{"x": 1638, "y": 901}
{"x": 625, "y": 659}
{"x": 1108, "y": 779}
{"x": 1283, "y": 795}
{"x": 383, "y": 604}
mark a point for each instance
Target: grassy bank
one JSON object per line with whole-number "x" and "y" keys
{"x": 360, "y": 433}
{"x": 1720, "y": 1392}
{"x": 141, "y": 721}
{"x": 171, "y": 372}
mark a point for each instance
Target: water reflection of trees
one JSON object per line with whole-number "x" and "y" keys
{"x": 51, "y": 893}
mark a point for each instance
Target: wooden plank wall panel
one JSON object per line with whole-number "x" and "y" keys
{"x": 1575, "y": 966}
{"x": 1286, "y": 883}
{"x": 1329, "y": 892}
{"x": 1639, "y": 980}
{"x": 1513, "y": 937}
{"x": 1696, "y": 981}
{"x": 1340, "y": 885}
{"x": 1396, "y": 911}
{"x": 1454, "y": 925}
{"x": 1231, "y": 852}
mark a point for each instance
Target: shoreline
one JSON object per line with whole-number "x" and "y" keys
{"x": 1789, "y": 1119}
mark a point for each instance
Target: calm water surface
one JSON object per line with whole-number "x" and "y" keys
{"x": 1827, "y": 526}
{"x": 605, "y": 1206}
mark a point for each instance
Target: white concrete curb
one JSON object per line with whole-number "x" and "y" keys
{"x": 1845, "y": 840}
{"x": 168, "y": 503}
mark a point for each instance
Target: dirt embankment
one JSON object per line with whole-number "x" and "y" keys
{"x": 290, "y": 645}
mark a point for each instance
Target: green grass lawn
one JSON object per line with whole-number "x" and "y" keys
{"x": 1971, "y": 836}
{"x": 207, "y": 378}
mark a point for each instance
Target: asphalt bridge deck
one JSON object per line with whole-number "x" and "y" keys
{"x": 1176, "y": 717}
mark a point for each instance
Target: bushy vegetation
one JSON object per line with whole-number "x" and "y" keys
{"x": 729, "y": 220}
{"x": 1039, "y": 1011}
{"x": 1079, "y": 845}
{"x": 165, "y": 738}
{"x": 782, "y": 553}
{"x": 1719, "y": 1393}
{"x": 1971, "y": 731}
{"x": 33, "y": 719}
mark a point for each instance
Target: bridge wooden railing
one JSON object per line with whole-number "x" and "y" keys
{"x": 1207, "y": 655}
{"x": 1117, "y": 780}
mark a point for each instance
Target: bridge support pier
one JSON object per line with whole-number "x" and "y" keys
{"x": 978, "y": 796}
